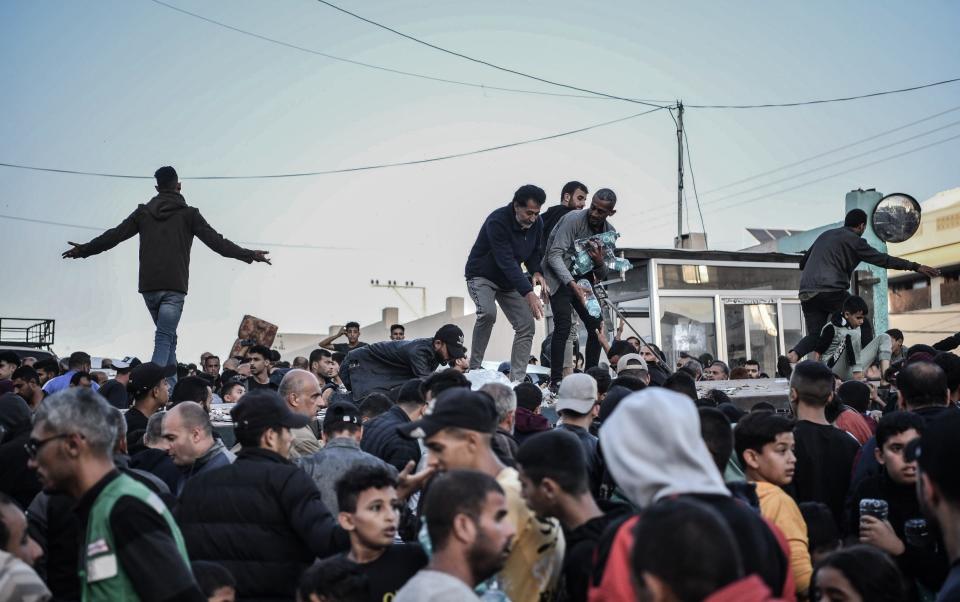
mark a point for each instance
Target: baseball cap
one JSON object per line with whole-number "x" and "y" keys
{"x": 264, "y": 408}
{"x": 578, "y": 392}
{"x": 459, "y": 408}
{"x": 127, "y": 363}
{"x": 147, "y": 376}
{"x": 937, "y": 450}
{"x": 341, "y": 412}
{"x": 453, "y": 337}
{"x": 631, "y": 361}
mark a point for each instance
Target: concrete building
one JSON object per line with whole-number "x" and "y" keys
{"x": 292, "y": 344}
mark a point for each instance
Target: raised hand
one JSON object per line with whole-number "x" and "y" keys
{"x": 73, "y": 253}
{"x": 261, "y": 257}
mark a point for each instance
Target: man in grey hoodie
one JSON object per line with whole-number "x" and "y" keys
{"x": 166, "y": 226}
{"x": 654, "y": 450}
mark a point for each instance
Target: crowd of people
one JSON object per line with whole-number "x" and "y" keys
{"x": 389, "y": 471}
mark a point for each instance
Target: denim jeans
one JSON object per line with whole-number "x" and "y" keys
{"x": 165, "y": 308}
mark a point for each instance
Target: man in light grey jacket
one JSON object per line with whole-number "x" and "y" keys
{"x": 566, "y": 295}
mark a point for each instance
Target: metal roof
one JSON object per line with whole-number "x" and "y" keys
{"x": 700, "y": 255}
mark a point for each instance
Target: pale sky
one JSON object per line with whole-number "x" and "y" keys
{"x": 126, "y": 86}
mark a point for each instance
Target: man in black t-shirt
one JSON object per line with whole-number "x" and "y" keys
{"x": 259, "y": 356}
{"x": 825, "y": 454}
{"x": 352, "y": 332}
{"x": 370, "y": 513}
{"x": 150, "y": 392}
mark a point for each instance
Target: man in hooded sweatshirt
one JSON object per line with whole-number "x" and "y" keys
{"x": 654, "y": 450}
{"x": 166, "y": 225}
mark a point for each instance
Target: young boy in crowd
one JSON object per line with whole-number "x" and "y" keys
{"x": 764, "y": 444}
{"x": 841, "y": 343}
{"x": 896, "y": 485}
{"x": 370, "y": 513}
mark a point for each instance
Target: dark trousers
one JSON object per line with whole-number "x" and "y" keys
{"x": 816, "y": 314}
{"x": 564, "y": 302}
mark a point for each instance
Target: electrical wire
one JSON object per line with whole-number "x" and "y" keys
{"x": 483, "y": 62}
{"x": 822, "y": 100}
{"x": 45, "y": 222}
{"x": 381, "y": 67}
{"x": 665, "y": 219}
{"x": 693, "y": 180}
{"x": 831, "y": 151}
{"x": 346, "y": 169}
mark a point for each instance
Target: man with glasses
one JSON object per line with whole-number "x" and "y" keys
{"x": 566, "y": 295}
{"x": 132, "y": 548}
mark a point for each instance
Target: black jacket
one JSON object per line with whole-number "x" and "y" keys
{"x": 262, "y": 518}
{"x": 16, "y": 479}
{"x": 501, "y": 246}
{"x": 381, "y": 438}
{"x": 581, "y": 544}
{"x": 157, "y": 462}
{"x": 166, "y": 226}
{"x": 386, "y": 365}
{"x": 836, "y": 253}
{"x": 551, "y": 217}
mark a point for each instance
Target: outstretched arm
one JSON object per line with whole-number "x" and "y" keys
{"x": 105, "y": 241}
{"x": 218, "y": 244}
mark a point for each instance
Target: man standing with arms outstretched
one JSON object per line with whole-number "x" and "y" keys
{"x": 166, "y": 225}
{"x": 509, "y": 240}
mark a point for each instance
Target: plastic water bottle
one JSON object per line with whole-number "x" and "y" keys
{"x": 593, "y": 306}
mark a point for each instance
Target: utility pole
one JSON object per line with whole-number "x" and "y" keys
{"x": 679, "y": 174}
{"x": 396, "y": 286}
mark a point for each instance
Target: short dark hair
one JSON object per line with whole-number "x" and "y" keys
{"x": 752, "y": 363}
{"x": 359, "y": 479}
{"x": 397, "y": 327}
{"x": 726, "y": 368}
{"x": 894, "y": 423}
{"x": 411, "y": 393}
{"x": 558, "y": 455}
{"x": 615, "y": 394}
{"x": 452, "y": 493}
{"x": 27, "y": 374}
{"x": 813, "y": 382}
{"x": 688, "y": 545}
{"x": 211, "y": 576}
{"x": 229, "y": 386}
{"x": 78, "y": 376}
{"x": 261, "y": 350}
{"x": 529, "y": 192}
{"x": 9, "y": 357}
{"x": 821, "y": 528}
{"x": 854, "y": 218}
{"x": 319, "y": 353}
{"x": 870, "y": 571}
{"x": 353, "y": 325}
{"x": 335, "y": 578}
{"x": 166, "y": 177}
{"x": 895, "y": 333}
{"x": 602, "y": 376}
{"x": 716, "y": 433}
{"x": 48, "y": 365}
{"x": 855, "y": 304}
{"x": 207, "y": 359}
{"x": 375, "y": 404}
{"x": 757, "y": 429}
{"x": 950, "y": 364}
{"x": 922, "y": 384}
{"x": 762, "y": 405}
{"x": 78, "y": 359}
{"x": 450, "y": 378}
{"x": 338, "y": 356}
{"x": 618, "y": 348}
{"x": 682, "y": 382}
{"x": 627, "y": 382}
{"x": 571, "y": 187}
{"x": 606, "y": 195}
{"x": 529, "y": 396}
{"x": 191, "y": 388}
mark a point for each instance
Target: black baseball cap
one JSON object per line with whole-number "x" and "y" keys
{"x": 341, "y": 412}
{"x": 937, "y": 450}
{"x": 147, "y": 376}
{"x": 453, "y": 337}
{"x": 459, "y": 408}
{"x": 264, "y": 408}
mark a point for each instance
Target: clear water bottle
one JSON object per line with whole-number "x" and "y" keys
{"x": 593, "y": 306}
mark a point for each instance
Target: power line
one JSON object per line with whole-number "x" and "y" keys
{"x": 818, "y": 180}
{"x": 831, "y": 151}
{"x": 381, "y": 67}
{"x": 693, "y": 180}
{"x": 346, "y": 169}
{"x": 45, "y": 222}
{"x": 822, "y": 100}
{"x": 481, "y": 61}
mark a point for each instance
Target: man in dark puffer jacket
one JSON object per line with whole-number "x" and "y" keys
{"x": 261, "y": 517}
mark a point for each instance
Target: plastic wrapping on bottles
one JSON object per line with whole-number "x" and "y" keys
{"x": 583, "y": 264}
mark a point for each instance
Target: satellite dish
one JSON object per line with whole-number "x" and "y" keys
{"x": 896, "y": 217}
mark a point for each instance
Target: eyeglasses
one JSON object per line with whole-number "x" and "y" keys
{"x": 33, "y": 446}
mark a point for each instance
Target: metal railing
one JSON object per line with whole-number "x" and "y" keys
{"x": 27, "y": 332}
